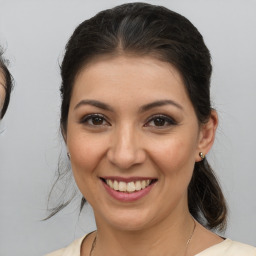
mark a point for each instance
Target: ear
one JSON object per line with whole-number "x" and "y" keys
{"x": 207, "y": 135}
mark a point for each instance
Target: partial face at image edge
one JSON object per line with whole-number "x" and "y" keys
{"x": 2, "y": 92}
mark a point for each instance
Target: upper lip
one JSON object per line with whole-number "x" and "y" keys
{"x": 126, "y": 179}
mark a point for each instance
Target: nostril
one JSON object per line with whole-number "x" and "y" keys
{"x": 125, "y": 158}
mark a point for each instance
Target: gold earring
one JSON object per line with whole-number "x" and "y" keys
{"x": 202, "y": 155}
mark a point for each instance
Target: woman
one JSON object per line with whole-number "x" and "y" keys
{"x": 137, "y": 121}
{"x": 5, "y": 86}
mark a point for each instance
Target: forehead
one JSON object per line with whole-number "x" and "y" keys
{"x": 129, "y": 80}
{"x": 128, "y": 73}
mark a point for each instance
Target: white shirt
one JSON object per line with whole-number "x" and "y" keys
{"x": 225, "y": 248}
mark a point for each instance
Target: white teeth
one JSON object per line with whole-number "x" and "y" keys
{"x": 122, "y": 186}
{"x": 128, "y": 187}
{"x": 115, "y": 185}
{"x": 143, "y": 184}
{"x": 109, "y": 182}
{"x": 138, "y": 185}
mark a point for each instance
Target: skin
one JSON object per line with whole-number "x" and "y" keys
{"x": 2, "y": 91}
{"x": 127, "y": 141}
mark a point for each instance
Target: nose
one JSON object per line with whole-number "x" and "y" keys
{"x": 126, "y": 148}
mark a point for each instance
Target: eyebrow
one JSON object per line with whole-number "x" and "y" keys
{"x": 159, "y": 103}
{"x": 144, "y": 108}
{"x": 94, "y": 103}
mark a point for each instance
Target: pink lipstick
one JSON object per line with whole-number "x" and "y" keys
{"x": 128, "y": 189}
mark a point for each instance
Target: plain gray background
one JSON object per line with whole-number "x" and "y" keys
{"x": 34, "y": 34}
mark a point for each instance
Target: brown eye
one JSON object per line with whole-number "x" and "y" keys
{"x": 94, "y": 120}
{"x": 97, "y": 120}
{"x": 160, "y": 121}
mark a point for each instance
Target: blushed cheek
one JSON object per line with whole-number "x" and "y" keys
{"x": 86, "y": 153}
{"x": 83, "y": 159}
{"x": 175, "y": 156}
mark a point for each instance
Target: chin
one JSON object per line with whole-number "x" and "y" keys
{"x": 129, "y": 220}
{"x": 132, "y": 225}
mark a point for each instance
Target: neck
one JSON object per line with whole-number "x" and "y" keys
{"x": 162, "y": 239}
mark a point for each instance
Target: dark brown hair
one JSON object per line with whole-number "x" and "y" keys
{"x": 143, "y": 29}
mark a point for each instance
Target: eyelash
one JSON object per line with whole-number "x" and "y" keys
{"x": 165, "y": 121}
{"x": 92, "y": 117}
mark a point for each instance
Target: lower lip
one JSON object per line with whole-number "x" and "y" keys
{"x": 127, "y": 197}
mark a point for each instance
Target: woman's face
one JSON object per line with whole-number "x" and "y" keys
{"x": 2, "y": 91}
{"x": 133, "y": 137}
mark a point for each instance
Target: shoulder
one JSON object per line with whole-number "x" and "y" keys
{"x": 57, "y": 253}
{"x": 229, "y": 248}
{"x": 72, "y": 250}
{"x": 237, "y": 248}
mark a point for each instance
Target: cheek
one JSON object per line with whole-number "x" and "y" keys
{"x": 175, "y": 156}
{"x": 86, "y": 153}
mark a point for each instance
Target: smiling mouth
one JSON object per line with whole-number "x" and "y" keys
{"x": 128, "y": 187}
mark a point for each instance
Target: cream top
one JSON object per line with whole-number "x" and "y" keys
{"x": 225, "y": 248}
